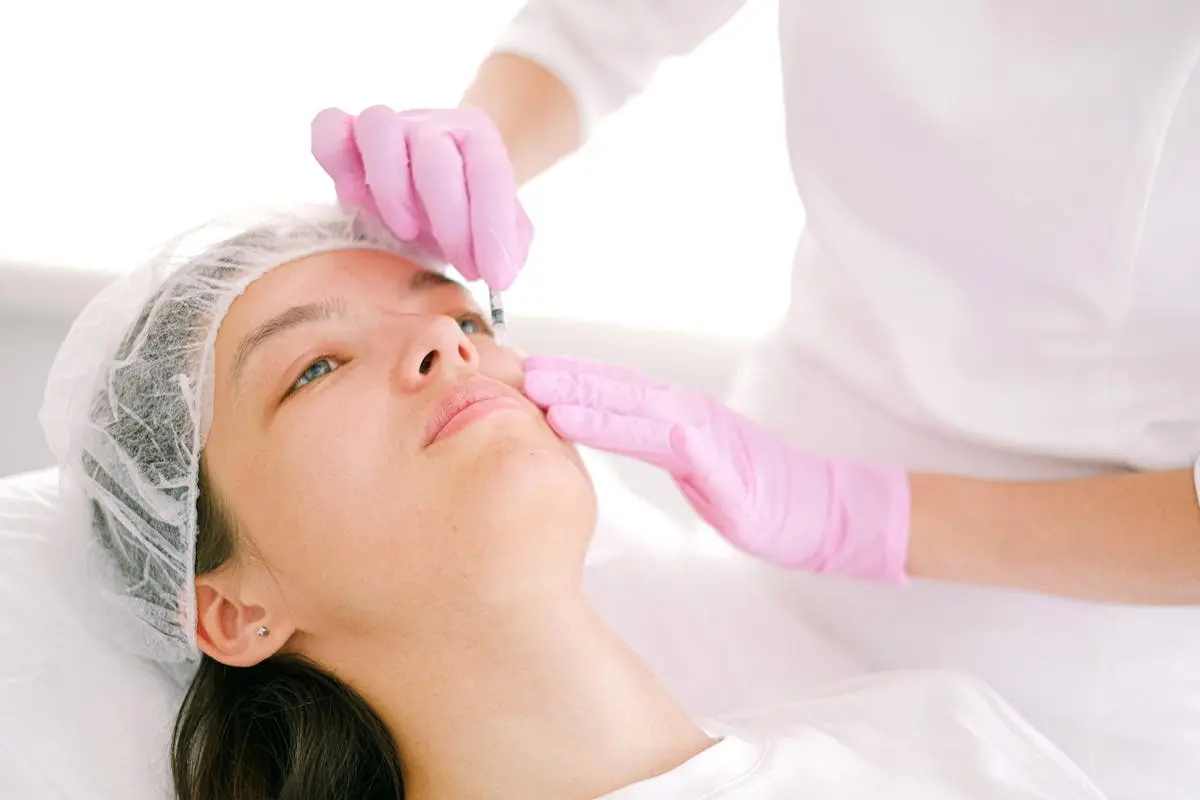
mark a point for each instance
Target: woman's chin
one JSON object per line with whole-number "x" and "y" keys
{"x": 525, "y": 481}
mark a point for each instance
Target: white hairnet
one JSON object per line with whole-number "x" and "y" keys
{"x": 129, "y": 402}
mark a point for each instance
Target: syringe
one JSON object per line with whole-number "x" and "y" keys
{"x": 499, "y": 327}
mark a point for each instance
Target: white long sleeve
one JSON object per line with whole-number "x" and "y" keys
{"x": 606, "y": 51}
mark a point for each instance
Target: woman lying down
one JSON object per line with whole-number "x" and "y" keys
{"x": 316, "y": 476}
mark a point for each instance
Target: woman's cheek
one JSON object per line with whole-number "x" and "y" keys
{"x": 505, "y": 364}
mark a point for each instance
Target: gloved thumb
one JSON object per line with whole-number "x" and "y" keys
{"x": 708, "y": 479}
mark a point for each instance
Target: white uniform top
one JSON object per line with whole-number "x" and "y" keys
{"x": 1000, "y": 275}
{"x": 898, "y": 736}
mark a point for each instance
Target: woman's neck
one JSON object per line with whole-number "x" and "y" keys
{"x": 539, "y": 698}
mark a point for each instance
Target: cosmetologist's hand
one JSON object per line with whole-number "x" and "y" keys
{"x": 440, "y": 179}
{"x": 767, "y": 497}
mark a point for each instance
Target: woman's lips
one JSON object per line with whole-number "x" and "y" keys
{"x": 468, "y": 402}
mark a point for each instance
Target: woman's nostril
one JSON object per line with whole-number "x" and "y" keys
{"x": 428, "y": 361}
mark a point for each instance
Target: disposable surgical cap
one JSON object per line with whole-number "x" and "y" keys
{"x": 129, "y": 403}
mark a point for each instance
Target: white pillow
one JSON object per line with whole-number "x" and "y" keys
{"x": 79, "y": 718}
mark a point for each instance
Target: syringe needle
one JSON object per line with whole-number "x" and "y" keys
{"x": 499, "y": 326}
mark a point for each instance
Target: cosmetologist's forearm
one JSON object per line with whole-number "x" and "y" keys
{"x": 1131, "y": 538}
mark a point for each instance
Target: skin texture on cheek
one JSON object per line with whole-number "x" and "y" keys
{"x": 505, "y": 364}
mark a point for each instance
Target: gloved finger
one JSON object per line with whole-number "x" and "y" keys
{"x": 708, "y": 479}
{"x": 438, "y": 177}
{"x": 647, "y": 440}
{"x": 600, "y": 392}
{"x": 382, "y": 142}
{"x": 493, "y": 198}
{"x": 335, "y": 149}
{"x": 584, "y": 367}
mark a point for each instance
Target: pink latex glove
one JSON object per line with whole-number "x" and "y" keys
{"x": 767, "y": 497}
{"x": 440, "y": 179}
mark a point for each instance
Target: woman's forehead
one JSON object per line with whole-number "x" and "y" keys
{"x": 368, "y": 271}
{"x": 370, "y": 275}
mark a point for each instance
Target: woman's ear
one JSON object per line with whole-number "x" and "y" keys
{"x": 232, "y": 628}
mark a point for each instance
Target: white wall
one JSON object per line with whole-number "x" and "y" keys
{"x": 680, "y": 213}
{"x": 37, "y": 305}
{"x": 27, "y": 345}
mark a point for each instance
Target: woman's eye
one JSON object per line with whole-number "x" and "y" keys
{"x": 315, "y": 371}
{"x": 472, "y": 324}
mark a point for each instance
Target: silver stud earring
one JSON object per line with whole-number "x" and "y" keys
{"x": 262, "y": 631}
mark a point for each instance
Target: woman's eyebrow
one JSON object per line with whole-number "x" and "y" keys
{"x": 291, "y": 318}
{"x": 425, "y": 280}
{"x": 428, "y": 279}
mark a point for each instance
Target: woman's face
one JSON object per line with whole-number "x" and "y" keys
{"x": 370, "y": 441}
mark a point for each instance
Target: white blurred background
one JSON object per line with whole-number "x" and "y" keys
{"x": 124, "y": 122}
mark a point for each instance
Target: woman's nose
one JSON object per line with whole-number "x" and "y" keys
{"x": 438, "y": 345}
